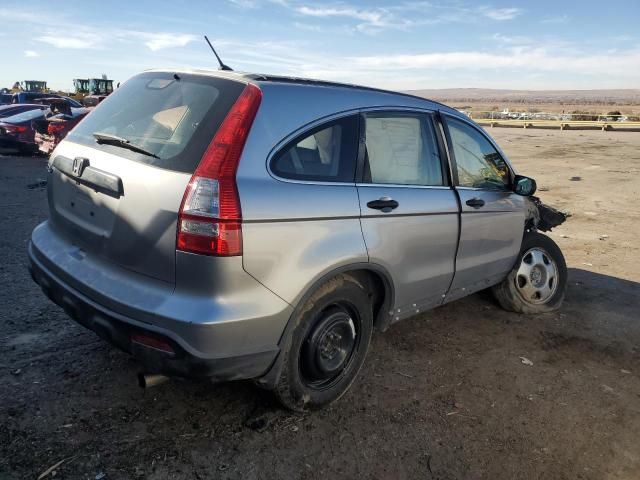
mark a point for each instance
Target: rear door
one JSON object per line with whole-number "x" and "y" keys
{"x": 122, "y": 204}
{"x": 409, "y": 212}
{"x": 492, "y": 216}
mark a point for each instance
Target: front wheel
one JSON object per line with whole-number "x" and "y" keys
{"x": 538, "y": 281}
{"x": 328, "y": 345}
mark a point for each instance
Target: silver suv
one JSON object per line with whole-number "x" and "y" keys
{"x": 236, "y": 226}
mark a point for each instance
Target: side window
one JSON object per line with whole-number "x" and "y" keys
{"x": 401, "y": 149}
{"x": 478, "y": 163}
{"x": 326, "y": 154}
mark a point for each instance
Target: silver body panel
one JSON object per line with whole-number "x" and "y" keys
{"x": 136, "y": 231}
{"x": 230, "y": 315}
{"x": 121, "y": 252}
{"x": 416, "y": 242}
{"x": 490, "y": 240}
{"x": 288, "y": 240}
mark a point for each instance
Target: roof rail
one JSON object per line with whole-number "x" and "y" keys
{"x": 327, "y": 83}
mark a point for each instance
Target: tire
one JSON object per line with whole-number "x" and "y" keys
{"x": 538, "y": 281}
{"x": 327, "y": 346}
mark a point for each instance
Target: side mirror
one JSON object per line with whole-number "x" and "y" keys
{"x": 524, "y": 186}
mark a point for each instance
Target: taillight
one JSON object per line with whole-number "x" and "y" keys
{"x": 210, "y": 220}
{"x": 54, "y": 127}
{"x": 15, "y": 128}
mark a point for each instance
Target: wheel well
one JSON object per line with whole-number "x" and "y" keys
{"x": 374, "y": 280}
{"x": 379, "y": 292}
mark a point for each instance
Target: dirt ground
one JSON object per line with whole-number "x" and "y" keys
{"x": 444, "y": 395}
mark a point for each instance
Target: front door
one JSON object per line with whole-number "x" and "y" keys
{"x": 409, "y": 212}
{"x": 492, "y": 216}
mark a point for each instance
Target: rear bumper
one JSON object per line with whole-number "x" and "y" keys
{"x": 217, "y": 349}
{"x": 13, "y": 143}
{"x": 118, "y": 330}
{"x": 9, "y": 142}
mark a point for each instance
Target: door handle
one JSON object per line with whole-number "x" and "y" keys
{"x": 475, "y": 202}
{"x": 384, "y": 204}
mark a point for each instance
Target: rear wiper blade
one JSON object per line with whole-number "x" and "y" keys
{"x": 121, "y": 142}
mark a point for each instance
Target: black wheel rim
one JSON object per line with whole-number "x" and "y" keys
{"x": 327, "y": 351}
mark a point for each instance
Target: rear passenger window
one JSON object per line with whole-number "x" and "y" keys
{"x": 327, "y": 153}
{"x": 401, "y": 149}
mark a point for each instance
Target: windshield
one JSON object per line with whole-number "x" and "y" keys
{"x": 24, "y": 116}
{"x": 173, "y": 117}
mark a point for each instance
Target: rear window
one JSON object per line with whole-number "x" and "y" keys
{"x": 24, "y": 116}
{"x": 172, "y": 116}
{"x": 7, "y": 111}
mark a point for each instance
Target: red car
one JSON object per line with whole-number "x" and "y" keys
{"x": 16, "y": 131}
{"x": 50, "y": 131}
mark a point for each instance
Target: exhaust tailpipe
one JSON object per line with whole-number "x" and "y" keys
{"x": 150, "y": 380}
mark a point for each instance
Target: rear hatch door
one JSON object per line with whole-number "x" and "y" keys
{"x": 120, "y": 199}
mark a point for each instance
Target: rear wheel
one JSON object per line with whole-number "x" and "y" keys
{"x": 328, "y": 345}
{"x": 538, "y": 281}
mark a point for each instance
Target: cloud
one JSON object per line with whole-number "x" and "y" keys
{"x": 160, "y": 41}
{"x": 369, "y": 20}
{"x": 372, "y": 16}
{"x": 31, "y": 54}
{"x": 501, "y": 14}
{"x": 487, "y": 60}
{"x": 99, "y": 38}
{"x": 625, "y": 64}
{"x": 549, "y": 64}
{"x": 405, "y": 15}
{"x": 508, "y": 62}
{"x": 65, "y": 41}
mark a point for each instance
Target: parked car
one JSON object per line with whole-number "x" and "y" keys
{"x": 14, "y": 109}
{"x": 17, "y": 130}
{"x": 235, "y": 226}
{"x": 5, "y": 98}
{"x": 31, "y": 97}
{"x": 49, "y": 132}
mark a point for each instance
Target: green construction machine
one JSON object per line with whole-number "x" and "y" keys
{"x": 31, "y": 86}
{"x": 91, "y": 91}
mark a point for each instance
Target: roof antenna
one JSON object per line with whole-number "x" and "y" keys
{"x": 222, "y": 65}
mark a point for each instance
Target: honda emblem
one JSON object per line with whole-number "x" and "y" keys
{"x": 79, "y": 165}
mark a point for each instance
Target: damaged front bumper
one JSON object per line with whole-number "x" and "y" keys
{"x": 542, "y": 217}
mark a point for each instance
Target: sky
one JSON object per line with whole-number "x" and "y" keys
{"x": 400, "y": 45}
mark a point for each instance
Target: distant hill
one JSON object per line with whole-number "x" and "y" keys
{"x": 594, "y": 97}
